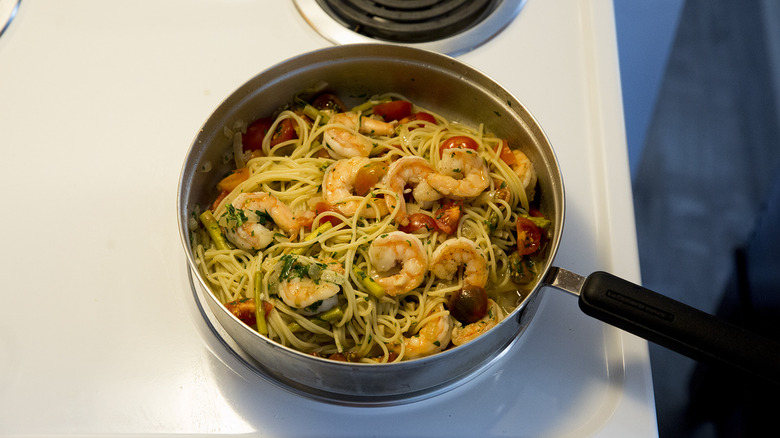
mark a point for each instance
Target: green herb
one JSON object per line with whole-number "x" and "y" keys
{"x": 236, "y": 215}
{"x": 263, "y": 217}
{"x": 289, "y": 260}
{"x": 314, "y": 307}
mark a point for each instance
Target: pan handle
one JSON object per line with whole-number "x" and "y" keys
{"x": 670, "y": 323}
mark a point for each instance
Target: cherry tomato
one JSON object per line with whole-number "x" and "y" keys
{"x": 425, "y": 117}
{"x": 232, "y": 181}
{"x": 244, "y": 310}
{"x": 506, "y": 154}
{"x": 222, "y": 195}
{"x": 267, "y": 307}
{"x": 528, "y": 236}
{"x": 285, "y": 130}
{"x": 394, "y": 110}
{"x": 469, "y": 304}
{"x": 257, "y": 130}
{"x": 328, "y": 101}
{"x": 418, "y": 222}
{"x": 255, "y": 133}
{"x": 324, "y": 207}
{"x": 448, "y": 216}
{"x": 338, "y": 357}
{"x": 368, "y": 176}
{"x": 458, "y": 142}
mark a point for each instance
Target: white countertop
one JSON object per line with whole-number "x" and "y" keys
{"x": 99, "y": 333}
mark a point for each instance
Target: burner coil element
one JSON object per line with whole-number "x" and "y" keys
{"x": 408, "y": 21}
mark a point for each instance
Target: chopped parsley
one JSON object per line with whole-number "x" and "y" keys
{"x": 236, "y": 215}
{"x": 263, "y": 217}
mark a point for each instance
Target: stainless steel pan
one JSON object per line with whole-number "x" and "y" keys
{"x": 458, "y": 92}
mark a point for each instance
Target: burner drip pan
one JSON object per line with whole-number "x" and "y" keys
{"x": 452, "y": 27}
{"x": 408, "y": 21}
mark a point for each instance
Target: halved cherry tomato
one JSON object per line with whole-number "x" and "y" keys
{"x": 418, "y": 222}
{"x": 368, "y": 176}
{"x": 285, "y": 130}
{"x": 222, "y": 195}
{"x": 324, "y": 207}
{"x": 328, "y": 101}
{"x": 255, "y": 133}
{"x": 425, "y": 117}
{"x": 458, "y": 142}
{"x": 448, "y": 216}
{"x": 243, "y": 309}
{"x": 257, "y": 130}
{"x": 528, "y": 236}
{"x": 267, "y": 307}
{"x": 232, "y": 181}
{"x": 394, "y": 110}
{"x": 506, "y": 154}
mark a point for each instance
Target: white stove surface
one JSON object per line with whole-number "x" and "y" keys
{"x": 99, "y": 330}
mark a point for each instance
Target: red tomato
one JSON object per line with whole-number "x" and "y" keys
{"x": 458, "y": 142}
{"x": 267, "y": 308}
{"x": 506, "y": 154}
{"x": 329, "y": 101}
{"x": 425, "y": 117}
{"x": 243, "y": 309}
{"x": 447, "y": 217}
{"x": 285, "y": 130}
{"x": 222, "y": 195}
{"x": 368, "y": 176}
{"x": 528, "y": 236}
{"x": 394, "y": 110}
{"x": 418, "y": 222}
{"x": 324, "y": 207}
{"x": 255, "y": 132}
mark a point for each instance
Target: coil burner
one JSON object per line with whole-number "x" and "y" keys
{"x": 449, "y": 26}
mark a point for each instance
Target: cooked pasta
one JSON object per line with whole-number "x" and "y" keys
{"x": 378, "y": 234}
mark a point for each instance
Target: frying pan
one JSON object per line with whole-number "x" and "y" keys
{"x": 458, "y": 92}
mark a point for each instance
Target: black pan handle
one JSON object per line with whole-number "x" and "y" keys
{"x": 672, "y": 324}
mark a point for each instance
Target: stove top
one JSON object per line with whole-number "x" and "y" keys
{"x": 8, "y": 10}
{"x": 100, "y": 332}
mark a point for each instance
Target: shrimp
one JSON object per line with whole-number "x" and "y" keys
{"x": 433, "y": 337}
{"x": 405, "y": 171}
{"x": 252, "y": 213}
{"x": 454, "y": 253}
{"x": 310, "y": 287}
{"x": 462, "y": 173}
{"x": 344, "y": 137}
{"x": 392, "y": 249}
{"x": 524, "y": 169}
{"x": 338, "y": 184}
{"x": 462, "y": 334}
